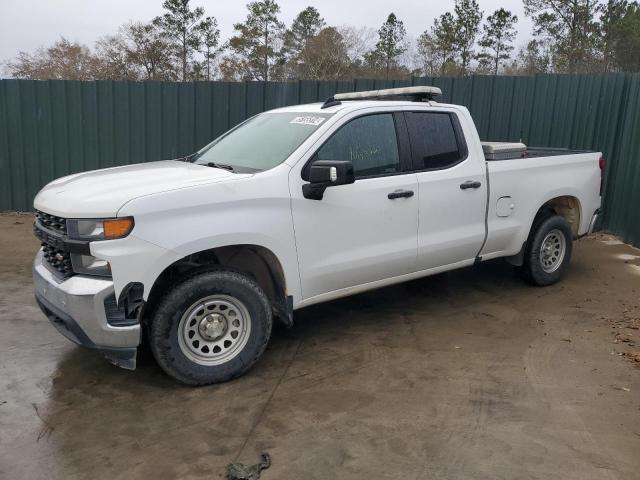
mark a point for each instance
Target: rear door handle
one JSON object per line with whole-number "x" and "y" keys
{"x": 470, "y": 184}
{"x": 400, "y": 194}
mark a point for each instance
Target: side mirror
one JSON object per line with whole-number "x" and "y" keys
{"x": 327, "y": 173}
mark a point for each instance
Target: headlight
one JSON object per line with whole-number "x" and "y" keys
{"x": 88, "y": 265}
{"x": 99, "y": 229}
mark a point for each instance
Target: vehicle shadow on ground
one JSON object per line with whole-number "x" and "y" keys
{"x": 82, "y": 366}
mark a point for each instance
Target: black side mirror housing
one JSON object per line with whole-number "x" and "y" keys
{"x": 327, "y": 173}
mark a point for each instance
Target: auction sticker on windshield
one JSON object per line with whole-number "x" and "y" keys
{"x": 315, "y": 121}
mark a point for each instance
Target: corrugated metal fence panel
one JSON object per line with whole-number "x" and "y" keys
{"x": 52, "y": 128}
{"x": 623, "y": 195}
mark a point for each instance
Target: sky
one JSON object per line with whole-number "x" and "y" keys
{"x": 28, "y": 24}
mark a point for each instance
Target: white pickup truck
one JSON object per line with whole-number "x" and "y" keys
{"x": 296, "y": 206}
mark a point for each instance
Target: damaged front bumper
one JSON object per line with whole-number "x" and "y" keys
{"x": 80, "y": 308}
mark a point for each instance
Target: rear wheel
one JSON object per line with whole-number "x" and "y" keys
{"x": 211, "y": 328}
{"x": 548, "y": 251}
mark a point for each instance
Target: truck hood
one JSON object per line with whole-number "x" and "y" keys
{"x": 101, "y": 193}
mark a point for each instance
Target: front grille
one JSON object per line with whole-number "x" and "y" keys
{"x": 57, "y": 224}
{"x": 59, "y": 260}
{"x": 52, "y": 232}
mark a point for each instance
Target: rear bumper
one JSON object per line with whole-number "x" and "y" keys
{"x": 76, "y": 308}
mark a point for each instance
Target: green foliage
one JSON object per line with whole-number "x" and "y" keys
{"x": 467, "y": 23}
{"x": 569, "y": 36}
{"x": 444, "y": 33}
{"x": 497, "y": 38}
{"x": 180, "y": 24}
{"x": 534, "y": 58}
{"x": 256, "y": 45}
{"x": 210, "y": 39}
{"x": 620, "y": 36}
{"x": 305, "y": 27}
{"x": 570, "y": 28}
{"x": 391, "y": 44}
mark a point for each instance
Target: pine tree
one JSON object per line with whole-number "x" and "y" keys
{"x": 255, "y": 46}
{"x": 180, "y": 24}
{"x": 210, "y": 39}
{"x": 391, "y": 44}
{"x": 497, "y": 38}
{"x": 467, "y": 23}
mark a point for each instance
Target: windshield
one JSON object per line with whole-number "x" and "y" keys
{"x": 262, "y": 142}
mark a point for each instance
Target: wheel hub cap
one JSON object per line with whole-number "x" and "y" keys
{"x": 213, "y": 326}
{"x": 214, "y": 330}
{"x": 552, "y": 251}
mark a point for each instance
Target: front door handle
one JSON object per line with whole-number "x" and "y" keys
{"x": 400, "y": 194}
{"x": 470, "y": 184}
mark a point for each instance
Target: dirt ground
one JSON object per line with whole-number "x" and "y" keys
{"x": 466, "y": 375}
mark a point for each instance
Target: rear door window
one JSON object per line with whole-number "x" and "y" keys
{"x": 436, "y": 141}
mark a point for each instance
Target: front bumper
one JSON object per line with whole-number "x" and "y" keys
{"x": 76, "y": 308}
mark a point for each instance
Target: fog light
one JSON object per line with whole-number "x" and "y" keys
{"x": 89, "y": 265}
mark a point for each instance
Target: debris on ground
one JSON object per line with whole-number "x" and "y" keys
{"x": 239, "y": 471}
{"x": 632, "y": 356}
{"x": 623, "y": 333}
{"x": 624, "y": 389}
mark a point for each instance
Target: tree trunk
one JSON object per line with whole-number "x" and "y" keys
{"x": 265, "y": 74}
{"x": 208, "y": 64}
{"x": 184, "y": 56}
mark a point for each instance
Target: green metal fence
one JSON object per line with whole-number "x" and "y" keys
{"x": 52, "y": 128}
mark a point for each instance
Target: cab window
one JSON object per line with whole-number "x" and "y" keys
{"x": 435, "y": 143}
{"x": 369, "y": 142}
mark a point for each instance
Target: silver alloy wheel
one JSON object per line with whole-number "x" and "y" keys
{"x": 552, "y": 250}
{"x": 214, "y": 330}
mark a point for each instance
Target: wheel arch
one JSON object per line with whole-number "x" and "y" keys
{"x": 256, "y": 261}
{"x": 567, "y": 206}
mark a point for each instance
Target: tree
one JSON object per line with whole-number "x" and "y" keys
{"x": 257, "y": 43}
{"x": 467, "y": 23}
{"x": 620, "y": 36}
{"x": 391, "y": 44}
{"x": 138, "y": 51}
{"x": 305, "y": 26}
{"x": 210, "y": 37}
{"x": 428, "y": 56}
{"x": 571, "y": 29}
{"x": 64, "y": 60}
{"x": 443, "y": 33}
{"x": 325, "y": 56}
{"x": 181, "y": 24}
{"x": 113, "y": 59}
{"x": 149, "y": 49}
{"x": 533, "y": 59}
{"x": 498, "y": 35}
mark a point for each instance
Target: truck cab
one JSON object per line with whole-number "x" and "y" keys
{"x": 293, "y": 207}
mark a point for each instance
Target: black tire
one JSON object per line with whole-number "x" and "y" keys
{"x": 169, "y": 350}
{"x": 533, "y": 267}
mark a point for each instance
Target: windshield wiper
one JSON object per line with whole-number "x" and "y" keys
{"x": 220, "y": 165}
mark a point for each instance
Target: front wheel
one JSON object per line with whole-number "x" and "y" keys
{"x": 548, "y": 251}
{"x": 211, "y": 327}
